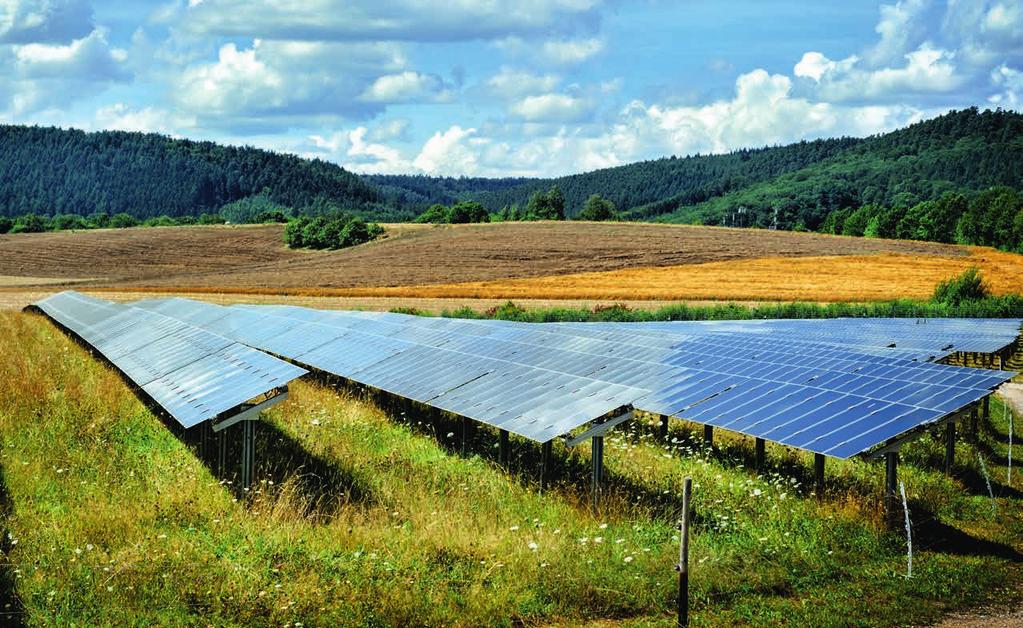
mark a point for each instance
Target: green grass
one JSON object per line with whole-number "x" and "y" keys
{"x": 1008, "y": 306}
{"x": 372, "y": 519}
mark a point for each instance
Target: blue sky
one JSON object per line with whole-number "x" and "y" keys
{"x": 495, "y": 88}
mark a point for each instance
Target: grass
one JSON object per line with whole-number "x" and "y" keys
{"x": 369, "y": 518}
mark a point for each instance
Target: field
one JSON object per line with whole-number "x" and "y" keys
{"x": 255, "y": 258}
{"x": 111, "y": 519}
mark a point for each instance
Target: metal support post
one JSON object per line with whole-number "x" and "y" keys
{"x": 818, "y": 473}
{"x": 950, "y": 446}
{"x": 683, "y": 555}
{"x": 708, "y": 435}
{"x": 465, "y": 436}
{"x": 662, "y": 430}
{"x": 545, "y": 465}
{"x": 503, "y": 455}
{"x": 758, "y": 454}
{"x": 248, "y": 453}
{"x": 891, "y": 487}
{"x": 597, "y": 471}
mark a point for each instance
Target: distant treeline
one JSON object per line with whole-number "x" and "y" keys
{"x": 993, "y": 217}
{"x": 34, "y": 223}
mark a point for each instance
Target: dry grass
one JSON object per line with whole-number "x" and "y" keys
{"x": 821, "y": 279}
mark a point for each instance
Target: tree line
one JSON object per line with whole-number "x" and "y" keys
{"x": 542, "y": 205}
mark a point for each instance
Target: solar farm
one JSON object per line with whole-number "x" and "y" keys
{"x": 552, "y": 394}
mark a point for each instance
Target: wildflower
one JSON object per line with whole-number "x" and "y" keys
{"x": 628, "y": 559}
{"x": 603, "y": 526}
{"x": 756, "y": 492}
{"x": 451, "y": 434}
{"x": 533, "y": 546}
{"x": 315, "y": 422}
{"x": 598, "y": 539}
{"x": 514, "y": 528}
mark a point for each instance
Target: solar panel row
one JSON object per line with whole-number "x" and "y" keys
{"x": 195, "y": 375}
{"x": 541, "y": 381}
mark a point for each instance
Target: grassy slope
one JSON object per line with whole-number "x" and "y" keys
{"x": 113, "y": 520}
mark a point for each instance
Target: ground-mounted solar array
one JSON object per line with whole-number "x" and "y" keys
{"x": 193, "y": 374}
{"x": 808, "y": 386}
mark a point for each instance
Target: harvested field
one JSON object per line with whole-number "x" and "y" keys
{"x": 828, "y": 278}
{"x": 239, "y": 259}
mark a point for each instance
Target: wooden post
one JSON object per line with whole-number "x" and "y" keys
{"x": 758, "y": 454}
{"x": 545, "y": 465}
{"x": 950, "y": 446}
{"x": 818, "y": 473}
{"x": 708, "y": 435}
{"x": 683, "y": 555}
{"x": 891, "y": 487}
{"x": 662, "y": 430}
{"x": 597, "y": 468}
{"x": 503, "y": 455}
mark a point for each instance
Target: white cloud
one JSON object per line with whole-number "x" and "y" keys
{"x": 552, "y": 108}
{"x": 1009, "y": 82}
{"x": 273, "y": 78}
{"x": 122, "y": 117}
{"x": 407, "y": 86}
{"x": 571, "y": 51}
{"x": 395, "y": 20}
{"x": 553, "y": 51}
{"x": 45, "y": 21}
{"x": 37, "y": 76}
{"x": 926, "y": 70}
{"x": 449, "y": 152}
{"x": 511, "y": 83}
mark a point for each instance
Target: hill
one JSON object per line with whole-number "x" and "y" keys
{"x": 67, "y": 171}
{"x": 962, "y": 151}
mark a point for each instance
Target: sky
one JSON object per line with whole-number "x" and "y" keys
{"x": 504, "y": 88}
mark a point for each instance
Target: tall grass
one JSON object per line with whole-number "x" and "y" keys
{"x": 371, "y": 519}
{"x": 1010, "y": 306}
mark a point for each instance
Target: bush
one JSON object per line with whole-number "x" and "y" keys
{"x": 5, "y": 224}
{"x": 459, "y": 213}
{"x": 161, "y": 221}
{"x": 597, "y": 208}
{"x": 30, "y": 223}
{"x": 122, "y": 221}
{"x": 329, "y": 231}
{"x": 64, "y": 222}
{"x": 968, "y": 286}
{"x": 435, "y": 213}
{"x": 211, "y": 219}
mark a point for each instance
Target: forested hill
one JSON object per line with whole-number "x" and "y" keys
{"x": 55, "y": 171}
{"x": 962, "y": 151}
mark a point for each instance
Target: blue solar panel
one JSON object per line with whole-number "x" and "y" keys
{"x": 195, "y": 375}
{"x": 812, "y": 391}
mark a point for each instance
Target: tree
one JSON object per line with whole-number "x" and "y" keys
{"x": 597, "y": 208}
{"x": 468, "y": 211}
{"x": 548, "y": 205}
{"x": 435, "y": 213}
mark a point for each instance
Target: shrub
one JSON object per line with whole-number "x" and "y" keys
{"x": 64, "y": 222}
{"x": 122, "y": 221}
{"x": 5, "y": 224}
{"x": 969, "y": 286}
{"x": 329, "y": 231}
{"x": 30, "y": 223}
{"x": 597, "y": 208}
{"x": 435, "y": 213}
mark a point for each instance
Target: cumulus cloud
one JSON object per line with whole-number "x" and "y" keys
{"x": 553, "y": 51}
{"x": 42, "y": 75}
{"x": 552, "y": 108}
{"x": 926, "y": 70}
{"x": 451, "y": 151}
{"x": 290, "y": 78}
{"x": 44, "y": 21}
{"x": 1009, "y": 83}
{"x": 407, "y": 86}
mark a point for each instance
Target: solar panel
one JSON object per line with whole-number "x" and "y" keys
{"x": 194, "y": 374}
{"x": 544, "y": 380}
